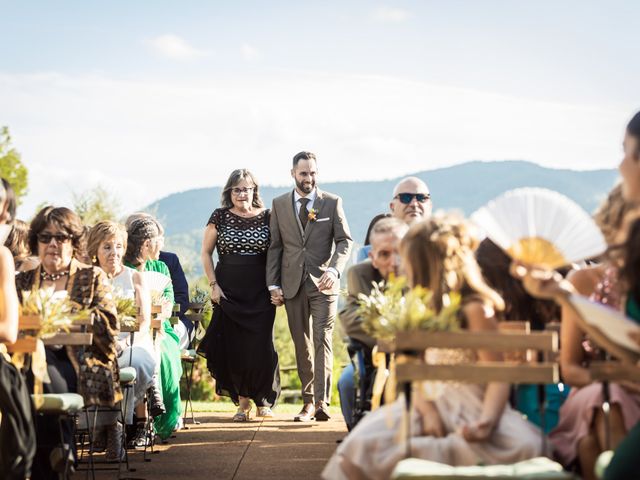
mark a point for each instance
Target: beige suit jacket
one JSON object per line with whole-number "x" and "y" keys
{"x": 325, "y": 242}
{"x": 360, "y": 279}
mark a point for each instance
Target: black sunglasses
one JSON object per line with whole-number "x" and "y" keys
{"x": 60, "y": 237}
{"x": 406, "y": 198}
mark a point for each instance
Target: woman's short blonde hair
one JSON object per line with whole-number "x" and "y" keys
{"x": 104, "y": 231}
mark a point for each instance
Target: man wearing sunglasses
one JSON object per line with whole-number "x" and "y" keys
{"x": 411, "y": 200}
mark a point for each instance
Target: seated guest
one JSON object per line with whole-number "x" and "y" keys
{"x": 383, "y": 261}
{"x": 17, "y": 427}
{"x": 106, "y": 246}
{"x": 411, "y": 201}
{"x": 580, "y": 434}
{"x": 18, "y": 244}
{"x": 184, "y": 329}
{"x": 8, "y": 295}
{"x": 466, "y": 424}
{"x": 91, "y": 371}
{"x": 363, "y": 252}
{"x": 520, "y": 306}
{"x": 143, "y": 250}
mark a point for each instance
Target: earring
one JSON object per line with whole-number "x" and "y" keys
{"x": 94, "y": 259}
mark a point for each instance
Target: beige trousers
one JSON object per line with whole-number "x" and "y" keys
{"x": 311, "y": 315}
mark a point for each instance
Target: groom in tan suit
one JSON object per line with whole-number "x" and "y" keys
{"x": 310, "y": 245}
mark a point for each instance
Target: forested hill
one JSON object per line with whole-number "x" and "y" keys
{"x": 464, "y": 187}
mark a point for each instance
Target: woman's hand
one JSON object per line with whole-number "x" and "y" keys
{"x": 478, "y": 431}
{"x": 217, "y": 294}
{"x": 545, "y": 284}
{"x": 432, "y": 425}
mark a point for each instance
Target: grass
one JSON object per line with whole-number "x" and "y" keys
{"x": 228, "y": 407}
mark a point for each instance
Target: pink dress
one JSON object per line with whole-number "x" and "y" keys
{"x": 375, "y": 445}
{"x": 576, "y": 415}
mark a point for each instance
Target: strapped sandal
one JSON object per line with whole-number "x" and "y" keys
{"x": 242, "y": 415}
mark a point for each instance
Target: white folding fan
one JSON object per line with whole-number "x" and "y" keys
{"x": 540, "y": 227}
{"x": 156, "y": 281}
{"x": 611, "y": 323}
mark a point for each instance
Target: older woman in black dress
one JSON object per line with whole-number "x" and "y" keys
{"x": 238, "y": 345}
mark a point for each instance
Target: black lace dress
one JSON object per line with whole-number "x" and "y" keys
{"x": 238, "y": 344}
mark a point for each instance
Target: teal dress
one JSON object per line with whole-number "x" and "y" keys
{"x": 626, "y": 461}
{"x": 170, "y": 364}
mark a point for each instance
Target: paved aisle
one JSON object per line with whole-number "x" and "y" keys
{"x": 220, "y": 449}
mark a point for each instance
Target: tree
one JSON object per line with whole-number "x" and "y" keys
{"x": 95, "y": 205}
{"x": 11, "y": 167}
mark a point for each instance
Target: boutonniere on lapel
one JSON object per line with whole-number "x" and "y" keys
{"x": 313, "y": 215}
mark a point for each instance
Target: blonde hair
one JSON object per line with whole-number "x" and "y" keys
{"x": 102, "y": 231}
{"x": 440, "y": 255}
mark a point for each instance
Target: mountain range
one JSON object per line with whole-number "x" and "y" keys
{"x": 464, "y": 187}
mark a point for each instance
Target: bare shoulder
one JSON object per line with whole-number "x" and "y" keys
{"x": 479, "y": 316}
{"x": 5, "y": 255}
{"x": 586, "y": 279}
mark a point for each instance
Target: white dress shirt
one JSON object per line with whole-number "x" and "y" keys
{"x": 311, "y": 197}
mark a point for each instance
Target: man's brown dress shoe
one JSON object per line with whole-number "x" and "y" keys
{"x": 322, "y": 412}
{"x": 306, "y": 414}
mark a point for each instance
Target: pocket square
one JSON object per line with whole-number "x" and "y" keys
{"x": 326, "y": 219}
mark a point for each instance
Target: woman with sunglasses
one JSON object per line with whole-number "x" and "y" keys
{"x": 92, "y": 371}
{"x": 238, "y": 344}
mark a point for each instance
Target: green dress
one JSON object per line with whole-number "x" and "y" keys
{"x": 170, "y": 364}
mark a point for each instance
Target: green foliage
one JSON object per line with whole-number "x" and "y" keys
{"x": 95, "y": 205}
{"x": 11, "y": 167}
{"x": 393, "y": 308}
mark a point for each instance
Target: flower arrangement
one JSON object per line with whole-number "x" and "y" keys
{"x": 56, "y": 312}
{"x": 127, "y": 310}
{"x": 393, "y": 307}
{"x": 313, "y": 215}
{"x": 199, "y": 295}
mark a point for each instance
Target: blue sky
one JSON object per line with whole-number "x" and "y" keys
{"x": 148, "y": 98}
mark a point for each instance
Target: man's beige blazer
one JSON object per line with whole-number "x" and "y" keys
{"x": 324, "y": 242}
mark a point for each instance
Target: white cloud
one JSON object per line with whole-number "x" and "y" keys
{"x": 146, "y": 139}
{"x": 249, "y": 52}
{"x": 174, "y": 47}
{"x": 390, "y": 15}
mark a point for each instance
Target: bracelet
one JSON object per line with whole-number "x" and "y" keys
{"x": 213, "y": 283}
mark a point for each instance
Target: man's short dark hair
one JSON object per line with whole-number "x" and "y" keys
{"x": 303, "y": 156}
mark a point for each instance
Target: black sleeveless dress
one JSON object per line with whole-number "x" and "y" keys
{"x": 238, "y": 344}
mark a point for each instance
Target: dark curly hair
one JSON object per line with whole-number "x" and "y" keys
{"x": 63, "y": 218}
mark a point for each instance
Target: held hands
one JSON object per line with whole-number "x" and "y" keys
{"x": 327, "y": 280}
{"x": 277, "y": 297}
{"x": 545, "y": 284}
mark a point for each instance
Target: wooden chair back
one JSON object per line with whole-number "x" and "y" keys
{"x": 411, "y": 367}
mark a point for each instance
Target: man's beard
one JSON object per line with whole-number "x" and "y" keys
{"x": 306, "y": 187}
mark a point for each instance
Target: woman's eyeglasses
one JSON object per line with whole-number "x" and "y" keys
{"x": 239, "y": 191}
{"x": 59, "y": 237}
{"x": 407, "y": 198}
